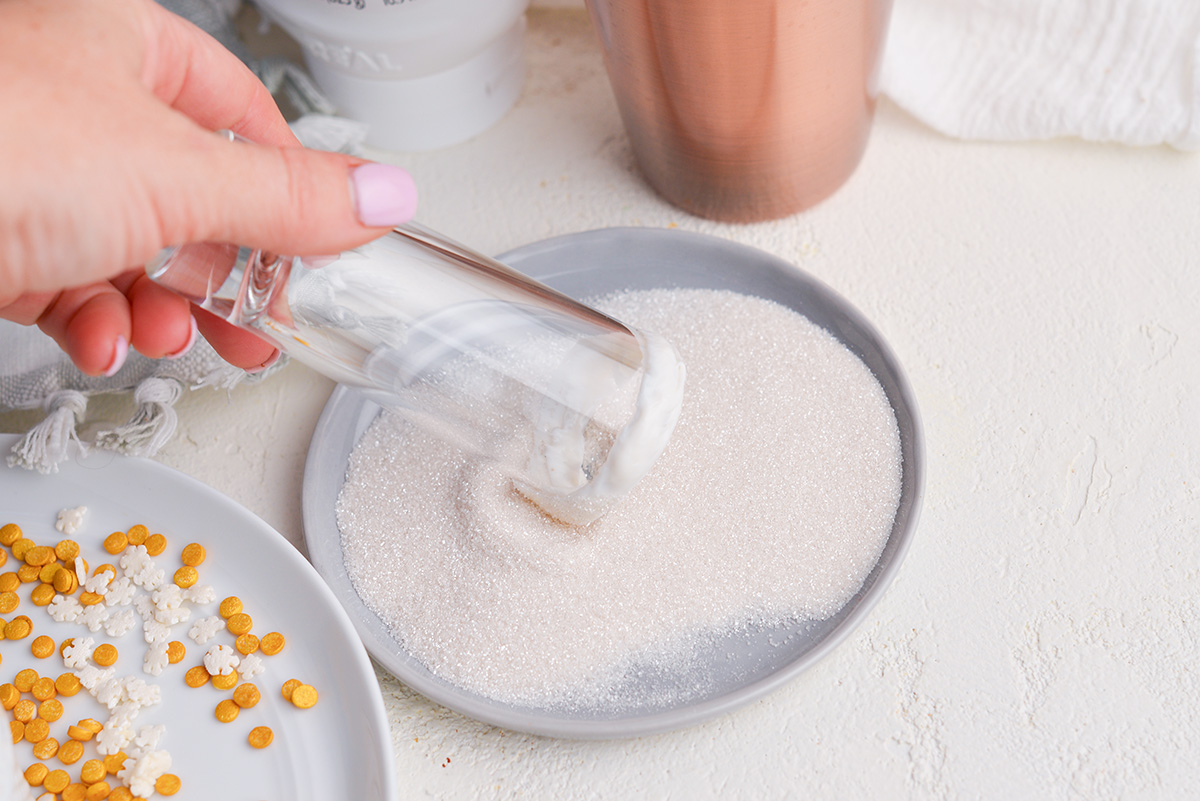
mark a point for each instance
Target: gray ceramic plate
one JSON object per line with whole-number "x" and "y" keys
{"x": 750, "y": 664}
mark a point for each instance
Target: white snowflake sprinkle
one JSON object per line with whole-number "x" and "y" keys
{"x": 69, "y": 520}
{"x": 135, "y": 560}
{"x": 200, "y": 594}
{"x": 220, "y": 660}
{"x": 76, "y": 655}
{"x": 92, "y": 677}
{"x": 94, "y": 616}
{"x": 120, "y": 623}
{"x": 155, "y": 660}
{"x": 64, "y": 609}
{"x": 153, "y": 631}
{"x": 120, "y": 592}
{"x": 98, "y": 583}
{"x": 206, "y": 628}
{"x": 251, "y": 666}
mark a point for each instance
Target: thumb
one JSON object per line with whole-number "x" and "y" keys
{"x": 287, "y": 200}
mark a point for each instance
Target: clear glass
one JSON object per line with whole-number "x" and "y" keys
{"x": 467, "y": 348}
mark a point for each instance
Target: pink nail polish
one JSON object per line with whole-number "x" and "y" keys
{"x": 187, "y": 345}
{"x": 120, "y": 352}
{"x": 383, "y": 195}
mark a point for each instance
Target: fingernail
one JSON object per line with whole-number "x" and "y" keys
{"x": 120, "y": 352}
{"x": 187, "y": 345}
{"x": 274, "y": 357}
{"x": 383, "y": 195}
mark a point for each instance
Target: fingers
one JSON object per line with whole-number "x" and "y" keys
{"x": 193, "y": 73}
{"x": 92, "y": 325}
{"x": 237, "y": 346}
{"x": 285, "y": 200}
{"x": 162, "y": 322}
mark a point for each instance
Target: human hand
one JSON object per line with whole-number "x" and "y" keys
{"x": 108, "y": 155}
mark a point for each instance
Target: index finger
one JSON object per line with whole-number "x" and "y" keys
{"x": 193, "y": 73}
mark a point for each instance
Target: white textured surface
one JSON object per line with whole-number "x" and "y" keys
{"x": 1040, "y": 641}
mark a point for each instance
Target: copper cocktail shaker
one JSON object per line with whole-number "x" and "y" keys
{"x": 744, "y": 111}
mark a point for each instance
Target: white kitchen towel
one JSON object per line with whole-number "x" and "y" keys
{"x": 1105, "y": 70}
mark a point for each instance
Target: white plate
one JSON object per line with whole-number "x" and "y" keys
{"x": 746, "y": 665}
{"x": 341, "y": 748}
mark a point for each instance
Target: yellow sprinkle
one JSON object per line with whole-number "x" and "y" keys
{"x": 138, "y": 534}
{"x": 24, "y": 710}
{"x": 272, "y": 643}
{"x": 35, "y": 774}
{"x": 24, "y": 679}
{"x": 76, "y": 791}
{"x": 9, "y": 533}
{"x": 196, "y": 676}
{"x": 90, "y": 598}
{"x": 39, "y": 556}
{"x": 28, "y": 573}
{"x": 246, "y": 644}
{"x": 106, "y": 568}
{"x": 261, "y": 736}
{"x": 121, "y": 793}
{"x": 65, "y": 582}
{"x": 37, "y": 730}
{"x": 193, "y": 554}
{"x": 186, "y": 576}
{"x": 289, "y": 687}
{"x": 9, "y": 601}
{"x": 9, "y": 581}
{"x": 227, "y": 711}
{"x": 21, "y": 547}
{"x": 98, "y": 791}
{"x": 230, "y": 606}
{"x": 18, "y": 628}
{"x": 67, "y": 684}
{"x": 56, "y": 781}
{"x": 227, "y": 681}
{"x": 176, "y": 652}
{"x": 116, "y": 542}
{"x": 47, "y": 574}
{"x": 246, "y": 696}
{"x": 45, "y": 748}
{"x": 79, "y": 733}
{"x": 18, "y": 730}
{"x": 66, "y": 550}
{"x": 156, "y": 544}
{"x": 105, "y": 654}
{"x": 50, "y": 710}
{"x": 9, "y": 695}
{"x": 92, "y": 771}
{"x": 71, "y": 751}
{"x": 43, "y": 648}
{"x": 304, "y": 696}
{"x": 92, "y": 725}
{"x": 239, "y": 624}
{"x": 43, "y": 689}
{"x": 114, "y": 762}
{"x": 168, "y": 784}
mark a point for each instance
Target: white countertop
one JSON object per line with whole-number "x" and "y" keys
{"x": 1040, "y": 640}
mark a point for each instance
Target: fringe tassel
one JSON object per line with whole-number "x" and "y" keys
{"x": 152, "y": 425}
{"x": 49, "y": 442}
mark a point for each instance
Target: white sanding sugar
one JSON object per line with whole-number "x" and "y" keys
{"x": 773, "y": 501}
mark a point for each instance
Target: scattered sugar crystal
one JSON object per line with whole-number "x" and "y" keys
{"x": 205, "y": 629}
{"x": 70, "y": 520}
{"x": 772, "y": 503}
{"x": 220, "y": 660}
{"x": 251, "y": 666}
{"x": 120, "y": 592}
{"x": 64, "y": 608}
